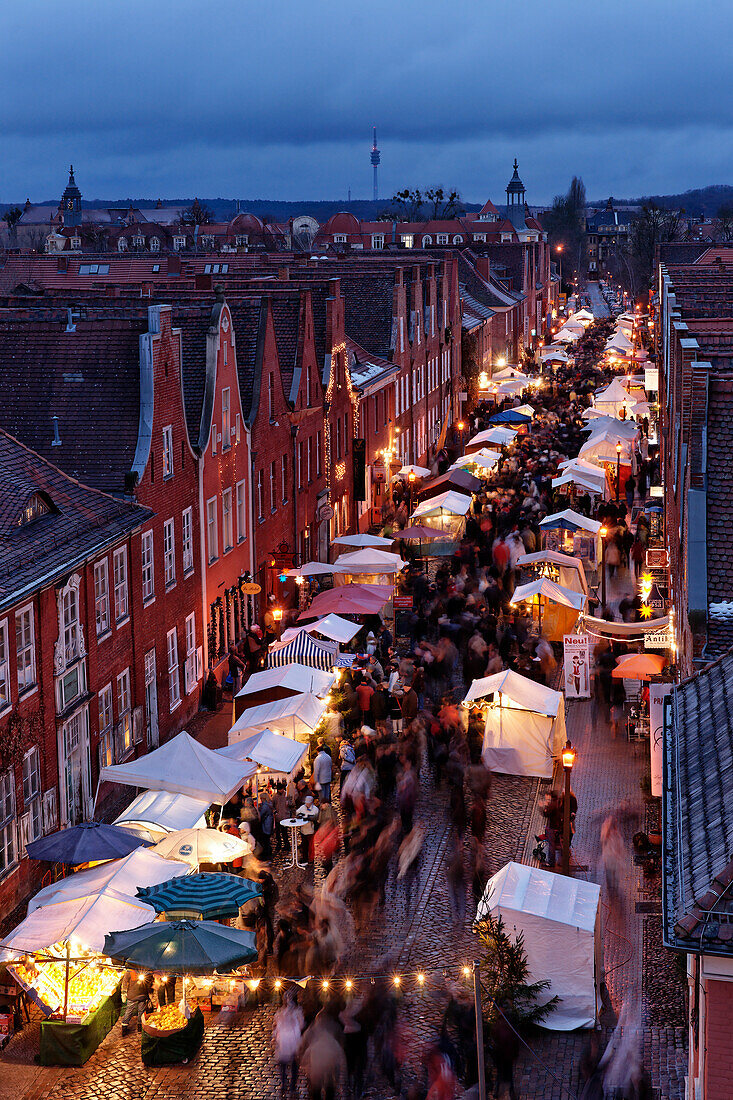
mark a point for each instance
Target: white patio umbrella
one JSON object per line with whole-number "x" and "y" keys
{"x": 418, "y": 471}
{"x": 196, "y": 846}
{"x": 359, "y": 542}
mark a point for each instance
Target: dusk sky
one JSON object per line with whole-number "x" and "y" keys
{"x": 277, "y": 100}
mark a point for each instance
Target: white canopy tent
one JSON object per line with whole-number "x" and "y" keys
{"x": 582, "y": 480}
{"x": 527, "y": 410}
{"x": 602, "y": 446}
{"x": 553, "y": 354}
{"x": 297, "y": 679}
{"x": 525, "y": 724}
{"x": 583, "y": 315}
{"x": 566, "y": 336}
{"x": 570, "y": 517}
{"x": 331, "y": 626}
{"x": 418, "y": 471}
{"x": 506, "y": 374}
{"x": 446, "y": 511}
{"x": 560, "y": 919}
{"x": 613, "y": 399}
{"x": 156, "y": 813}
{"x": 573, "y": 325}
{"x": 295, "y": 717}
{"x": 602, "y": 422}
{"x": 269, "y": 750}
{"x": 310, "y": 569}
{"x": 86, "y": 920}
{"x": 498, "y": 436}
{"x": 552, "y": 591}
{"x": 570, "y": 570}
{"x": 116, "y": 878}
{"x": 483, "y": 461}
{"x": 369, "y": 562}
{"x": 511, "y": 387}
{"x": 618, "y": 342}
{"x": 303, "y": 649}
{"x": 182, "y": 766}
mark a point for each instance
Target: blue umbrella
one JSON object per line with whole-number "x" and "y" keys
{"x": 204, "y": 896}
{"x": 510, "y": 416}
{"x": 87, "y": 842}
{"x": 182, "y": 947}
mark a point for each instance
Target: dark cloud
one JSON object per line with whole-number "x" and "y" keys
{"x": 177, "y": 97}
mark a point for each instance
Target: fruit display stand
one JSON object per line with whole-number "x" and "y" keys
{"x": 169, "y": 1037}
{"x": 79, "y": 997}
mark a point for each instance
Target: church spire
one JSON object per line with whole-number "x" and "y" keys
{"x": 71, "y": 201}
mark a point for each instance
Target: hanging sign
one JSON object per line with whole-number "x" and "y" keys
{"x": 657, "y": 693}
{"x": 251, "y": 589}
{"x": 659, "y": 639}
{"x": 576, "y": 649}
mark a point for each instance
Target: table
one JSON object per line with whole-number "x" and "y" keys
{"x": 294, "y": 823}
{"x": 65, "y": 1044}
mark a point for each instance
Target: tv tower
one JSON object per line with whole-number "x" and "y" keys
{"x": 376, "y": 157}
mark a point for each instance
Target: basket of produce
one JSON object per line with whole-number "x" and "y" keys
{"x": 164, "y": 1021}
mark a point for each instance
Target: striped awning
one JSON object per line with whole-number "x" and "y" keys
{"x": 303, "y": 650}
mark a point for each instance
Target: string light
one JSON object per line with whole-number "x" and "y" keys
{"x": 348, "y": 984}
{"x": 466, "y": 972}
{"x": 421, "y": 979}
{"x": 397, "y": 980}
{"x": 324, "y": 984}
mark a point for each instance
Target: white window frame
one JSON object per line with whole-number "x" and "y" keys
{"x": 123, "y": 730}
{"x": 147, "y": 560}
{"x": 106, "y": 726}
{"x": 5, "y": 689}
{"x": 260, "y": 494}
{"x": 101, "y": 597}
{"x": 319, "y": 445}
{"x": 227, "y": 521}
{"x": 226, "y": 416}
{"x": 167, "y": 452}
{"x": 119, "y": 569}
{"x": 212, "y": 530}
{"x": 213, "y": 439}
{"x": 8, "y": 826}
{"x": 241, "y": 499}
{"x": 169, "y": 553}
{"x": 377, "y": 240}
{"x": 174, "y": 678}
{"x": 187, "y": 540}
{"x": 339, "y": 238}
{"x": 190, "y": 678}
{"x": 32, "y": 805}
{"x": 26, "y": 667}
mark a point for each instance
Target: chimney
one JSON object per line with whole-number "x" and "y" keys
{"x": 483, "y": 266}
{"x": 70, "y": 326}
{"x": 56, "y": 441}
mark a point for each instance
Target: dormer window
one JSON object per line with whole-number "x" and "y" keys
{"x": 458, "y": 239}
{"x": 179, "y": 243}
{"x": 480, "y": 237}
{"x": 34, "y": 509}
{"x": 339, "y": 238}
{"x": 122, "y": 244}
{"x": 207, "y": 241}
{"x": 427, "y": 240}
{"x": 442, "y": 238}
{"x": 155, "y": 244}
{"x": 75, "y": 242}
{"x": 242, "y": 239}
{"x": 138, "y": 241}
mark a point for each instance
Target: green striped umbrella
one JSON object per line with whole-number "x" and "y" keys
{"x": 203, "y": 896}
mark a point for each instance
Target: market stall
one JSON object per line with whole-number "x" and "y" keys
{"x": 524, "y": 723}
{"x": 614, "y": 400}
{"x": 118, "y": 877}
{"x": 350, "y": 599}
{"x": 555, "y": 608}
{"x": 571, "y": 533}
{"x": 274, "y": 755}
{"x": 305, "y": 650}
{"x": 154, "y": 813}
{"x": 480, "y": 463}
{"x": 460, "y": 480}
{"x": 283, "y": 683}
{"x": 447, "y": 512}
{"x": 560, "y": 920}
{"x": 367, "y": 567}
{"x": 491, "y": 438}
{"x": 294, "y": 717}
{"x": 562, "y": 568}
{"x": 332, "y": 627}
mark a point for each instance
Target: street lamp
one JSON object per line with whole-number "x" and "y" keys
{"x": 618, "y": 472}
{"x": 411, "y": 482}
{"x": 558, "y": 249}
{"x": 460, "y": 425}
{"x": 277, "y": 615}
{"x": 568, "y": 760}
{"x": 603, "y": 533}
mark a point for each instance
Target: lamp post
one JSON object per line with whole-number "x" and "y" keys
{"x": 603, "y": 533}
{"x": 411, "y": 483}
{"x": 558, "y": 249}
{"x": 618, "y": 472}
{"x": 568, "y": 759}
{"x": 277, "y": 615}
{"x": 460, "y": 425}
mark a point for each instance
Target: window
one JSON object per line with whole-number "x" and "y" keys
{"x": 242, "y": 239}
{"x": 227, "y": 520}
{"x": 119, "y": 561}
{"x": 147, "y": 566}
{"x": 101, "y": 596}
{"x": 35, "y": 507}
{"x": 168, "y": 451}
{"x": 123, "y": 731}
{"x": 25, "y": 649}
{"x": 346, "y": 433}
{"x": 8, "y": 853}
{"x": 339, "y": 238}
{"x": 241, "y": 504}
{"x": 309, "y": 460}
{"x": 155, "y": 269}
{"x": 260, "y": 493}
{"x": 4, "y": 665}
{"x": 169, "y": 553}
{"x": 106, "y": 744}
{"x": 96, "y": 269}
{"x": 273, "y": 487}
{"x": 458, "y": 239}
{"x": 174, "y": 683}
{"x": 32, "y": 795}
{"x": 179, "y": 243}
{"x": 479, "y": 237}
{"x": 187, "y": 541}
{"x": 226, "y": 423}
{"x": 155, "y": 244}
{"x": 427, "y": 240}
{"x": 213, "y": 439}
{"x": 338, "y": 439}
{"x": 212, "y": 531}
{"x": 121, "y": 247}
{"x": 70, "y": 623}
{"x": 377, "y": 240}
{"x": 190, "y": 665}
{"x": 408, "y": 240}
{"x": 239, "y": 427}
{"x": 319, "y": 450}
{"x": 300, "y": 465}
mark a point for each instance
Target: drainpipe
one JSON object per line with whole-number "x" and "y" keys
{"x": 252, "y": 528}
{"x": 294, "y": 436}
{"x": 204, "y": 566}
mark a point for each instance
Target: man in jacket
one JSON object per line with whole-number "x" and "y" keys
{"x": 322, "y": 771}
{"x": 347, "y": 757}
{"x": 136, "y": 989}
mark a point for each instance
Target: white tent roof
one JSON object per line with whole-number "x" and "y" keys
{"x": 360, "y": 541}
{"x": 497, "y": 434}
{"x": 620, "y": 341}
{"x": 573, "y": 325}
{"x": 506, "y": 373}
{"x": 616, "y": 391}
{"x": 551, "y": 352}
{"x": 517, "y": 691}
{"x": 116, "y": 878}
{"x": 484, "y": 458}
{"x": 299, "y": 714}
{"x": 559, "y": 918}
{"x": 298, "y": 678}
{"x": 569, "y": 514}
{"x": 160, "y": 812}
{"x": 418, "y": 471}
{"x": 573, "y": 476}
{"x": 625, "y": 429}
{"x": 526, "y": 409}
{"x": 562, "y": 561}
{"x": 584, "y": 315}
{"x": 581, "y": 464}
{"x": 566, "y": 336}
{"x": 603, "y": 446}
{"x": 268, "y": 749}
{"x": 87, "y": 920}
{"x": 181, "y": 766}
{"x": 369, "y": 561}
{"x": 512, "y": 385}
{"x": 550, "y": 590}
{"x": 330, "y": 626}
{"x": 310, "y": 569}
{"x": 455, "y": 503}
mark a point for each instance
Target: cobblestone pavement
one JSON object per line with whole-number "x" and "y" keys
{"x": 235, "y": 1061}
{"x": 598, "y": 304}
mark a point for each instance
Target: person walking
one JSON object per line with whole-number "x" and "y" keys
{"x": 267, "y": 824}
{"x": 347, "y": 758}
{"x": 136, "y": 989}
{"x": 287, "y": 1030}
{"x": 322, "y": 771}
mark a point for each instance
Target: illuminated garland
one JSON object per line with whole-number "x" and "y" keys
{"x": 336, "y": 351}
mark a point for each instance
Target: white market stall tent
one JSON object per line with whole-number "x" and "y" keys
{"x": 569, "y": 570}
{"x": 115, "y": 878}
{"x": 560, "y": 919}
{"x": 558, "y": 608}
{"x": 614, "y": 399}
{"x": 482, "y": 461}
{"x": 334, "y": 627}
{"x": 525, "y": 724}
{"x": 602, "y": 447}
{"x": 181, "y": 766}
{"x": 359, "y": 542}
{"x": 271, "y": 751}
{"x": 581, "y": 481}
{"x": 447, "y": 512}
{"x": 85, "y": 920}
{"x": 367, "y": 567}
{"x": 296, "y": 716}
{"x": 497, "y": 436}
{"x": 156, "y": 813}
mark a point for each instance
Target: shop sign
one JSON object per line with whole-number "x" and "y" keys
{"x": 402, "y": 603}
{"x": 577, "y": 666}
{"x": 658, "y": 639}
{"x": 251, "y": 589}
{"x": 657, "y": 558}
